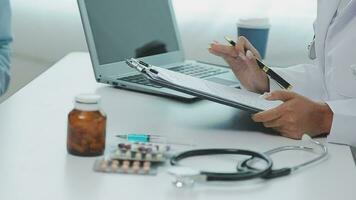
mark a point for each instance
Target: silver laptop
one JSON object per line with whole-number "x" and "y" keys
{"x": 146, "y": 29}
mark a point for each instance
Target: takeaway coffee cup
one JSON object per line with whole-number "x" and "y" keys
{"x": 256, "y": 31}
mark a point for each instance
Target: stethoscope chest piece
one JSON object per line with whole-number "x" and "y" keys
{"x": 185, "y": 176}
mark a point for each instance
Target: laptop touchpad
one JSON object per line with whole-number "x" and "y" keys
{"x": 223, "y": 81}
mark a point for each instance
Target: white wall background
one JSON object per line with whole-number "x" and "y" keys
{"x": 212, "y": 19}
{"x": 46, "y": 30}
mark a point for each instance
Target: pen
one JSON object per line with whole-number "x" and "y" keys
{"x": 283, "y": 83}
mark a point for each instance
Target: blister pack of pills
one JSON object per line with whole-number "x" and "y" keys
{"x": 134, "y": 158}
{"x": 125, "y": 167}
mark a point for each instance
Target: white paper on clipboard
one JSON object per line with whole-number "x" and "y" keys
{"x": 229, "y": 94}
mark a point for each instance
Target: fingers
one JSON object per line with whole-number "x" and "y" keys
{"x": 286, "y": 118}
{"x": 244, "y": 65}
{"x": 296, "y": 135}
{"x": 217, "y": 53}
{"x": 249, "y": 55}
{"x": 232, "y": 61}
{"x": 273, "y": 123}
{"x": 277, "y": 112}
{"x": 224, "y": 49}
{"x": 243, "y": 45}
{"x": 283, "y": 129}
{"x": 268, "y": 115}
{"x": 244, "y": 49}
{"x": 282, "y": 95}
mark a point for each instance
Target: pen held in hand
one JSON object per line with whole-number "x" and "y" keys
{"x": 283, "y": 83}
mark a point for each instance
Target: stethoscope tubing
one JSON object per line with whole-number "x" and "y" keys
{"x": 244, "y": 170}
{"x": 274, "y": 173}
{"x": 234, "y": 176}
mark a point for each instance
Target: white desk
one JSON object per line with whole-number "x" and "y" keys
{"x": 35, "y": 164}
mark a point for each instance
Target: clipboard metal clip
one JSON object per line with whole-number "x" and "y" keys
{"x": 133, "y": 63}
{"x": 141, "y": 66}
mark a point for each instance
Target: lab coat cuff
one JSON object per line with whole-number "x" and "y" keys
{"x": 340, "y": 132}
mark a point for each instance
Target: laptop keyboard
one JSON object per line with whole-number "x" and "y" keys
{"x": 196, "y": 70}
{"x": 139, "y": 79}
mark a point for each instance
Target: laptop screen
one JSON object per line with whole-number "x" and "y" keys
{"x": 131, "y": 28}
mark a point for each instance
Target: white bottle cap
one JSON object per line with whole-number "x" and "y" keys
{"x": 87, "y": 98}
{"x": 255, "y": 23}
{"x": 87, "y": 102}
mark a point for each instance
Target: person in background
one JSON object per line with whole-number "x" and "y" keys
{"x": 323, "y": 100}
{"x": 5, "y": 40}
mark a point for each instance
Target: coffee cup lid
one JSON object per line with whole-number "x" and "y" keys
{"x": 258, "y": 23}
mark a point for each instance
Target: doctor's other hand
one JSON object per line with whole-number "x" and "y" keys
{"x": 241, "y": 59}
{"x": 296, "y": 116}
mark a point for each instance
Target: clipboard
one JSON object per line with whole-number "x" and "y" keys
{"x": 204, "y": 89}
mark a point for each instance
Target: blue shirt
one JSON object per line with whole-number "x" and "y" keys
{"x": 5, "y": 39}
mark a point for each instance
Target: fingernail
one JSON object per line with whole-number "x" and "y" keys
{"x": 242, "y": 56}
{"x": 265, "y": 95}
{"x": 249, "y": 54}
{"x": 253, "y": 117}
{"x": 216, "y": 42}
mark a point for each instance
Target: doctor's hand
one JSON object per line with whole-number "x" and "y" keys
{"x": 296, "y": 116}
{"x": 241, "y": 59}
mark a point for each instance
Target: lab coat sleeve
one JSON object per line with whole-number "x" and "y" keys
{"x": 5, "y": 39}
{"x": 306, "y": 80}
{"x": 343, "y": 128}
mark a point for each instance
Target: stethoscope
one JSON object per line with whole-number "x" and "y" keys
{"x": 246, "y": 169}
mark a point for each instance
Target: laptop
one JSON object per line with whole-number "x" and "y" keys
{"x": 147, "y": 30}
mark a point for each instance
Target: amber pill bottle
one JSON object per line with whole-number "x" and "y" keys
{"x": 86, "y": 127}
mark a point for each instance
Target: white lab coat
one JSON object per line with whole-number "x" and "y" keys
{"x": 333, "y": 77}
